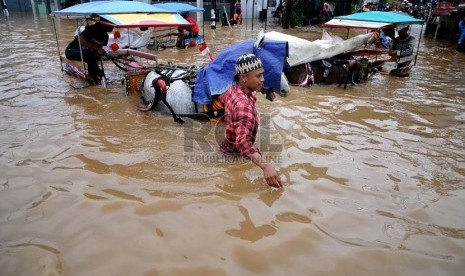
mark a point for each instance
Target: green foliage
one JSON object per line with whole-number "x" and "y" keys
{"x": 293, "y": 11}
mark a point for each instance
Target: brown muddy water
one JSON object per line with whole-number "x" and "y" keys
{"x": 374, "y": 175}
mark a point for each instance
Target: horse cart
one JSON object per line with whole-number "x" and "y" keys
{"x": 383, "y": 25}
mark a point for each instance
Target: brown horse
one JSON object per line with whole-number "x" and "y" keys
{"x": 341, "y": 70}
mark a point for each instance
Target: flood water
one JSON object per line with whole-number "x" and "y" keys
{"x": 374, "y": 175}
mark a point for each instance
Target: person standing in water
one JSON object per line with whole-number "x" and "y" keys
{"x": 5, "y": 9}
{"x": 461, "y": 44}
{"x": 242, "y": 117}
{"x": 404, "y": 44}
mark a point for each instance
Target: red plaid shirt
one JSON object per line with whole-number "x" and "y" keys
{"x": 241, "y": 122}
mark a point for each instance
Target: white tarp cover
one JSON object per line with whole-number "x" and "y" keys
{"x": 303, "y": 51}
{"x": 131, "y": 39}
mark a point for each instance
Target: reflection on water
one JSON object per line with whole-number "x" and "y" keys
{"x": 374, "y": 174}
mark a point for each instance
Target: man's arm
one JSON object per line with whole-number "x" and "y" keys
{"x": 90, "y": 45}
{"x": 271, "y": 176}
{"x": 393, "y": 51}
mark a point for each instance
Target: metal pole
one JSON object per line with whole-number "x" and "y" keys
{"x": 418, "y": 46}
{"x": 253, "y": 7}
{"x": 200, "y": 14}
{"x": 80, "y": 48}
{"x": 266, "y": 14}
{"x": 227, "y": 17}
{"x": 246, "y": 14}
{"x": 58, "y": 44}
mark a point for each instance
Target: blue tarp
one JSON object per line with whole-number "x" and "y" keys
{"x": 383, "y": 16}
{"x": 178, "y": 7}
{"x": 108, "y": 7}
{"x": 218, "y": 76}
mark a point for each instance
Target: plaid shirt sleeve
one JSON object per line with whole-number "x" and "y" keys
{"x": 245, "y": 125}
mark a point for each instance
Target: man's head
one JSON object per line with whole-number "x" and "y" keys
{"x": 106, "y": 26}
{"x": 402, "y": 30}
{"x": 249, "y": 70}
{"x": 95, "y": 17}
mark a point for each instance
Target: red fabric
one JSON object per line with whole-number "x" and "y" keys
{"x": 195, "y": 27}
{"x": 241, "y": 122}
{"x": 114, "y": 46}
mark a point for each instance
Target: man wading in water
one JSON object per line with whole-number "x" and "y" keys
{"x": 242, "y": 118}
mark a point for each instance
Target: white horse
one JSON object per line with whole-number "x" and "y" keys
{"x": 173, "y": 86}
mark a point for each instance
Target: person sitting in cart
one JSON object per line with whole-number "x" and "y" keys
{"x": 403, "y": 45}
{"x": 90, "y": 41}
{"x": 188, "y": 31}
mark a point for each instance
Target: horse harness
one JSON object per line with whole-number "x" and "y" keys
{"x": 162, "y": 83}
{"x": 347, "y": 65}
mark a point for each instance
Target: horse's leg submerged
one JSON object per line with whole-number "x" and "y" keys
{"x": 336, "y": 71}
